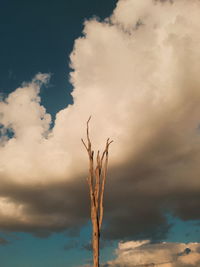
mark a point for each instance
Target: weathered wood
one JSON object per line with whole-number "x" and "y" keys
{"x": 96, "y": 182}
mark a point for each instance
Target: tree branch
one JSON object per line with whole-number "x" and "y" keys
{"x": 105, "y": 167}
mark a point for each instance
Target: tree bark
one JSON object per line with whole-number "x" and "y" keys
{"x": 95, "y": 238}
{"x": 96, "y": 182}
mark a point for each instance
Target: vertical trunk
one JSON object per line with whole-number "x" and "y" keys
{"x": 96, "y": 182}
{"x": 95, "y": 246}
{"x": 95, "y": 237}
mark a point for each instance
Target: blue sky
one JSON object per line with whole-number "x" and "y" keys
{"x": 153, "y": 197}
{"x": 38, "y": 37}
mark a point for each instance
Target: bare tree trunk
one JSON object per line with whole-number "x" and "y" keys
{"x": 96, "y": 182}
{"x": 95, "y": 239}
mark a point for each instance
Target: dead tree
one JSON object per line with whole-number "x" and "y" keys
{"x": 96, "y": 182}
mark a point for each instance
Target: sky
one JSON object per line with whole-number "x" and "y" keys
{"x": 132, "y": 65}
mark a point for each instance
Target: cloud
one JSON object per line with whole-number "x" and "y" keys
{"x": 137, "y": 73}
{"x": 146, "y": 254}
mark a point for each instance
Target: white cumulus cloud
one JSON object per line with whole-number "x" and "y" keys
{"x": 137, "y": 74}
{"x": 146, "y": 254}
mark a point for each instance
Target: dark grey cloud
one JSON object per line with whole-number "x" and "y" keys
{"x": 52, "y": 208}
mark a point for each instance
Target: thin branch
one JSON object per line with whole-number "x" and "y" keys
{"x": 105, "y": 167}
{"x": 97, "y": 184}
{"x": 84, "y": 144}
{"x": 91, "y": 167}
{"x": 88, "y": 137}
